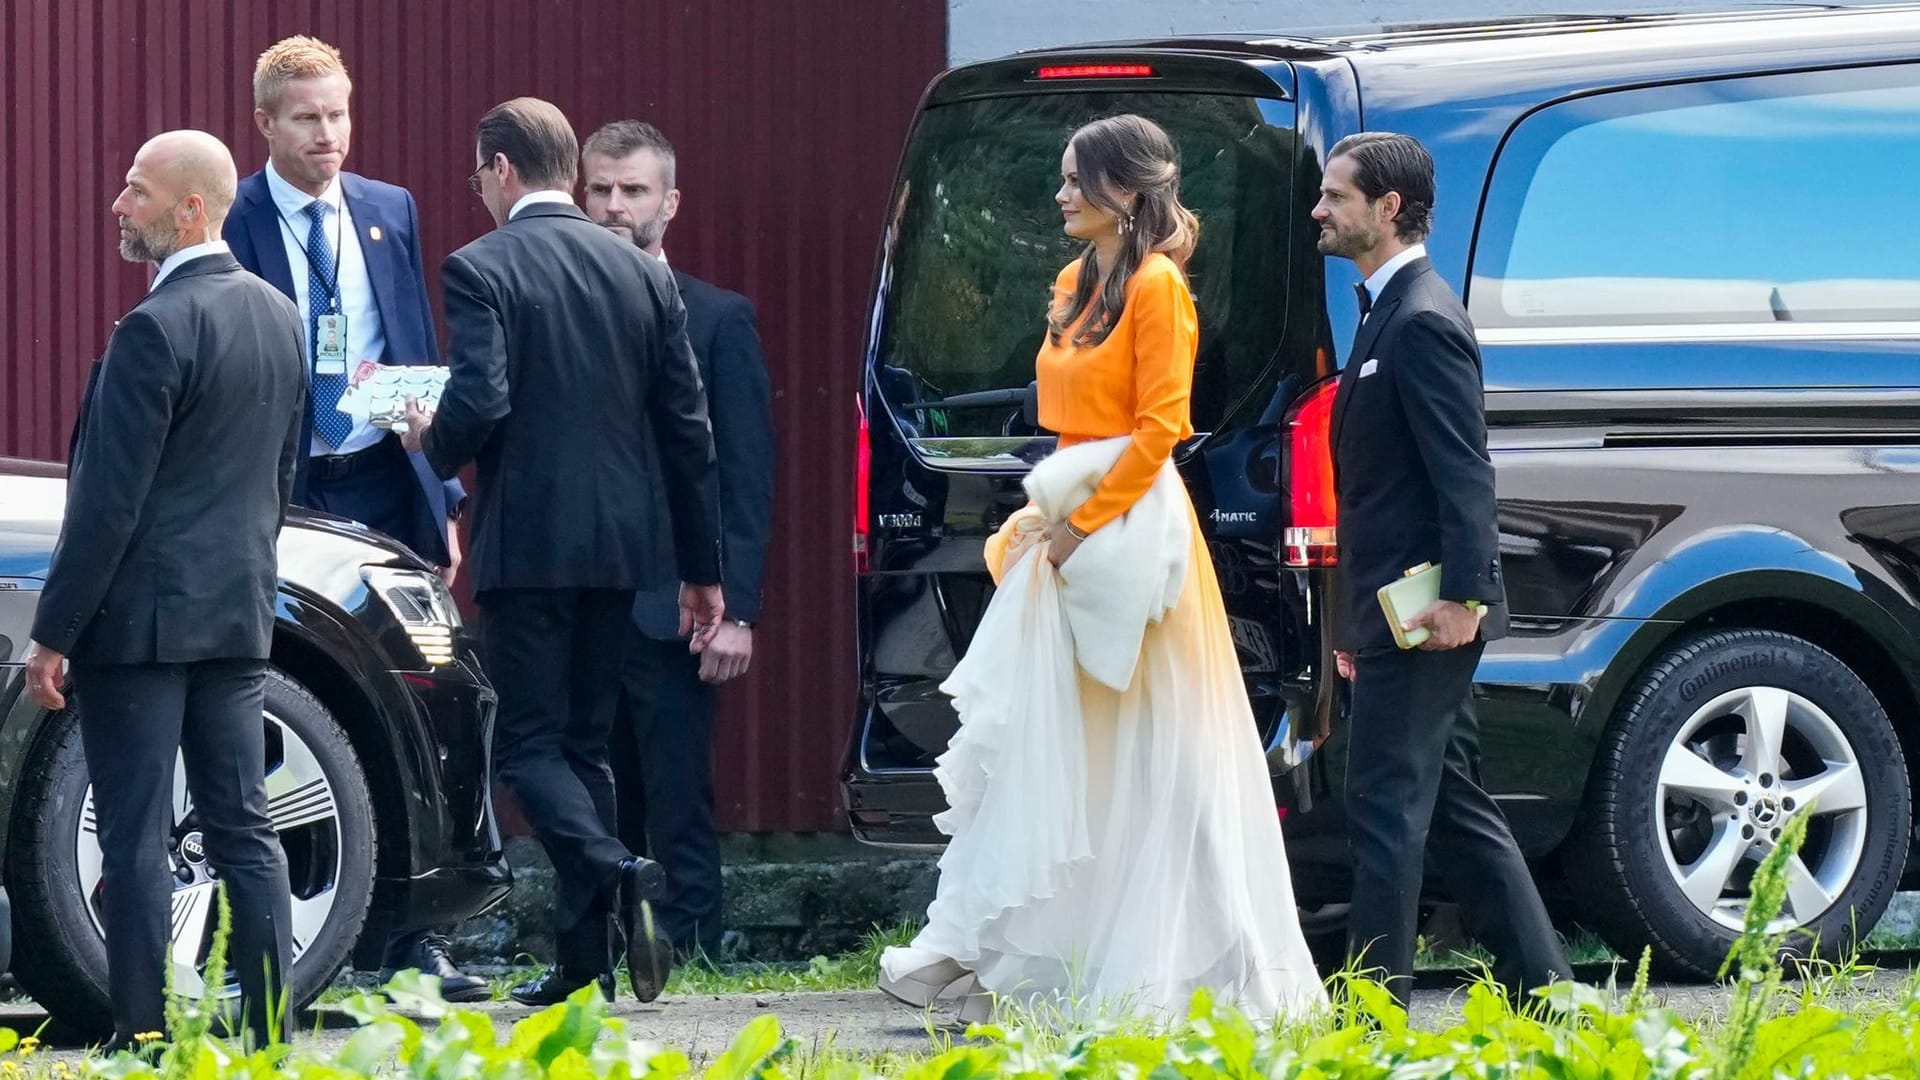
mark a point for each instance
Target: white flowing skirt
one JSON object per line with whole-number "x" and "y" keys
{"x": 1125, "y": 853}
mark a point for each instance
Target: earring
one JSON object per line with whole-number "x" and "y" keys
{"x": 1126, "y": 224}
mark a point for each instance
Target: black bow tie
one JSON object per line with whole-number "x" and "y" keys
{"x": 1366, "y": 298}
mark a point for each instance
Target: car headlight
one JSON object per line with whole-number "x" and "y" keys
{"x": 422, "y": 604}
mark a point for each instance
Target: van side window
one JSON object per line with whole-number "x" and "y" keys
{"x": 1721, "y": 206}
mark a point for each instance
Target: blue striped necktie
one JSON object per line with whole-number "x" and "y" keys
{"x": 323, "y": 284}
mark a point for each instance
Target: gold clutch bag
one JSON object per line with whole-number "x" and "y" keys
{"x": 1414, "y": 592}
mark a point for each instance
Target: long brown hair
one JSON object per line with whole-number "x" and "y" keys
{"x": 1114, "y": 156}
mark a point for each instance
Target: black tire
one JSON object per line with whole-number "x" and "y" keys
{"x": 1620, "y": 846}
{"x": 60, "y": 957}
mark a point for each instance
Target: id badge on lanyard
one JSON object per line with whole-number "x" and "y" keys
{"x": 330, "y": 345}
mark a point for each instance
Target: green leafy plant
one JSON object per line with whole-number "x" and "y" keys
{"x": 1570, "y": 1031}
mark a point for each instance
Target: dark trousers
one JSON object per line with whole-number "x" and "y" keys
{"x": 1413, "y": 788}
{"x": 133, "y": 718}
{"x": 554, "y": 656}
{"x": 663, "y": 773}
{"x": 377, "y": 488}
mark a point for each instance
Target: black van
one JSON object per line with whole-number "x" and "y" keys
{"x": 1690, "y": 248}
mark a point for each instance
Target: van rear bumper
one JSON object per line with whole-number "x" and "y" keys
{"x": 894, "y": 809}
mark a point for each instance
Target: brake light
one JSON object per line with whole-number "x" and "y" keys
{"x": 1097, "y": 71}
{"x": 1310, "y": 536}
{"x": 862, "y": 473}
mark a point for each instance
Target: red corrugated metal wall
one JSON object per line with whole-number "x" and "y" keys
{"x": 787, "y": 116}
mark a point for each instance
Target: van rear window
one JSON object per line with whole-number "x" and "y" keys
{"x": 1741, "y": 202}
{"x": 976, "y": 243}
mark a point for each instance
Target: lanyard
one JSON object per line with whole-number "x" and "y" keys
{"x": 331, "y": 288}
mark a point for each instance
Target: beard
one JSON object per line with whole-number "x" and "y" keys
{"x": 648, "y": 234}
{"x": 645, "y": 234}
{"x": 1346, "y": 245}
{"x": 150, "y": 244}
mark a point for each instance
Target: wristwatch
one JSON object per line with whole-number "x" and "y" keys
{"x": 744, "y": 624}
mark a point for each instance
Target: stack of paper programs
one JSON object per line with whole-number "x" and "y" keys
{"x": 380, "y": 397}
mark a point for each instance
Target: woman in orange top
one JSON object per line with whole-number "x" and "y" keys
{"x": 1180, "y": 880}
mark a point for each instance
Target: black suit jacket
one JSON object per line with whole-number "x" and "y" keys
{"x": 570, "y": 365}
{"x": 720, "y": 326}
{"x": 1411, "y": 473}
{"x": 183, "y": 464}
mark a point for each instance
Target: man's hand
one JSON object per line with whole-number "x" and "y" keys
{"x": 1061, "y": 543}
{"x": 45, "y": 672}
{"x": 1450, "y": 624}
{"x": 1343, "y": 663}
{"x": 418, "y": 421}
{"x": 449, "y": 571}
{"x": 701, "y": 609}
{"x": 727, "y": 658}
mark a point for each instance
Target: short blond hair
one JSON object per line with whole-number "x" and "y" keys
{"x": 297, "y": 57}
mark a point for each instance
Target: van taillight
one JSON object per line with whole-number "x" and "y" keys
{"x": 1310, "y": 534}
{"x": 862, "y": 473}
{"x": 1096, "y": 71}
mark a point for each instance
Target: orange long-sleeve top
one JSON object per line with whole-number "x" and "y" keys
{"x": 1138, "y": 382}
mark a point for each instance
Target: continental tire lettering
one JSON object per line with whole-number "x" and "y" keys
{"x": 1691, "y": 688}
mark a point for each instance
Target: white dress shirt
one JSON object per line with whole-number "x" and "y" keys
{"x": 366, "y": 336}
{"x": 532, "y": 197}
{"x": 1377, "y": 280}
{"x": 186, "y": 255}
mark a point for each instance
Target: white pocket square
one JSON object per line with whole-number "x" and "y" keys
{"x": 1369, "y": 368}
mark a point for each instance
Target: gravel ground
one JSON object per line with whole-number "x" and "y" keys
{"x": 867, "y": 1021}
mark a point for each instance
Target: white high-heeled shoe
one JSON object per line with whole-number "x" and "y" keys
{"x": 977, "y": 1007}
{"x": 918, "y": 977}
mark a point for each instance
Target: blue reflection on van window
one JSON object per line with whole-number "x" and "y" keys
{"x": 1727, "y": 202}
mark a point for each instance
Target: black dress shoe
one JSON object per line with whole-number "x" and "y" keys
{"x": 649, "y": 953}
{"x": 429, "y": 953}
{"x": 556, "y": 986}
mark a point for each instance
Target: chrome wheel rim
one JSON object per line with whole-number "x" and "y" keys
{"x": 1735, "y": 772}
{"x": 306, "y": 815}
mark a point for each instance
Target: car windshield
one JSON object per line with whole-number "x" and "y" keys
{"x": 975, "y": 243}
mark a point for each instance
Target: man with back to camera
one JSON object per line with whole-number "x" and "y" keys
{"x": 662, "y": 749}
{"x": 161, "y": 590}
{"x": 1415, "y": 485}
{"x": 346, "y": 250}
{"x": 572, "y": 385}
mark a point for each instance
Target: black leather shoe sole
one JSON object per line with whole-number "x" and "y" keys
{"x": 649, "y": 955}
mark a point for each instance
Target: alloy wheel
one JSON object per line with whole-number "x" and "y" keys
{"x": 305, "y": 812}
{"x": 1736, "y": 771}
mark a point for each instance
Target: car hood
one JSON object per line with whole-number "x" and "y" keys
{"x": 313, "y": 545}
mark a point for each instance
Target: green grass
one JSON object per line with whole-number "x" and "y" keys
{"x": 1823, "y": 1026}
{"x": 856, "y": 970}
{"x": 1585, "y": 947}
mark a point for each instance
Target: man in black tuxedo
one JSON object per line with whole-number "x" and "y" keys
{"x": 160, "y": 594}
{"x": 663, "y": 749}
{"x": 574, "y": 389}
{"x": 1415, "y": 485}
